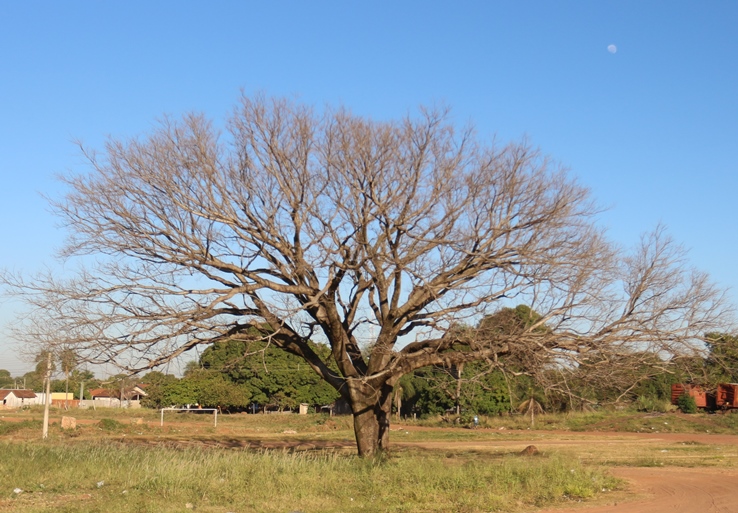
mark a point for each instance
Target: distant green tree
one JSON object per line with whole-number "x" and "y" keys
{"x": 5, "y": 378}
{"x": 83, "y": 377}
{"x": 179, "y": 393}
{"x": 272, "y": 376}
{"x": 433, "y": 390}
{"x": 478, "y": 387}
{"x": 212, "y": 390}
{"x": 192, "y": 366}
{"x": 209, "y": 389}
{"x": 722, "y": 360}
{"x": 155, "y": 385}
{"x": 33, "y": 380}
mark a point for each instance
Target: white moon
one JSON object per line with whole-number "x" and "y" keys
{"x": 612, "y": 48}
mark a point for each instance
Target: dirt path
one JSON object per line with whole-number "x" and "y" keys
{"x": 670, "y": 490}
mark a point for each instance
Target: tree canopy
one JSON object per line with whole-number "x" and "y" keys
{"x": 271, "y": 375}
{"x": 374, "y": 237}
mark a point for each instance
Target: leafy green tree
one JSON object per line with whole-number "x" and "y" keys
{"x": 433, "y": 390}
{"x": 5, "y": 378}
{"x": 156, "y": 393}
{"x": 722, "y": 360}
{"x": 192, "y": 366}
{"x": 271, "y": 375}
{"x": 33, "y": 380}
{"x": 209, "y": 389}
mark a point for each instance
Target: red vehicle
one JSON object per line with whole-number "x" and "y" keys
{"x": 700, "y": 394}
{"x": 726, "y": 396}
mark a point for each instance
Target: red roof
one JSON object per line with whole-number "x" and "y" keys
{"x": 20, "y": 394}
{"x": 104, "y": 392}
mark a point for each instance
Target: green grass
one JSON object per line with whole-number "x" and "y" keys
{"x": 120, "y": 478}
{"x": 7, "y": 428}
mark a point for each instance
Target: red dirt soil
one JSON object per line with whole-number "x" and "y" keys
{"x": 670, "y": 490}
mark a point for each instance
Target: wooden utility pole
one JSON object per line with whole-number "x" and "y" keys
{"x": 47, "y": 397}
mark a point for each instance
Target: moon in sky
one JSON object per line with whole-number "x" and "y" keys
{"x": 612, "y": 48}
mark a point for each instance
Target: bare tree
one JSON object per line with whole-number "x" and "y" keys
{"x": 375, "y": 237}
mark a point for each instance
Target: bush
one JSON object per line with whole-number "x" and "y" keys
{"x": 109, "y": 425}
{"x": 687, "y": 404}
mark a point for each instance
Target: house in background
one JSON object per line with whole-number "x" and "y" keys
{"x": 106, "y": 398}
{"x": 17, "y": 398}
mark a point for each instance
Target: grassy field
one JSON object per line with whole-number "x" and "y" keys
{"x": 124, "y": 461}
{"x": 122, "y": 478}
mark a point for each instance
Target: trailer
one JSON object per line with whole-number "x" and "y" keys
{"x": 699, "y": 394}
{"x": 726, "y": 396}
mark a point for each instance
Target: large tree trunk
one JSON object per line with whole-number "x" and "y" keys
{"x": 371, "y": 409}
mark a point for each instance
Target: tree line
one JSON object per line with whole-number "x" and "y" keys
{"x": 239, "y": 376}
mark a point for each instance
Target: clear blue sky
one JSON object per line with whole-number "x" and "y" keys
{"x": 651, "y": 128}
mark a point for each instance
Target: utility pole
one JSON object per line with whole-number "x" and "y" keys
{"x": 81, "y": 393}
{"x": 47, "y": 397}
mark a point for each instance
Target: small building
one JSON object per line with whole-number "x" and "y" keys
{"x": 126, "y": 398}
{"x": 339, "y": 407}
{"x": 17, "y": 398}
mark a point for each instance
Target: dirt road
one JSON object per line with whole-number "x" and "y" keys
{"x": 670, "y": 490}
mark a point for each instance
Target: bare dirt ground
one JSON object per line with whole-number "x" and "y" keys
{"x": 653, "y": 489}
{"x": 669, "y": 490}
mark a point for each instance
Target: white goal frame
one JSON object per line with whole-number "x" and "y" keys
{"x": 214, "y": 410}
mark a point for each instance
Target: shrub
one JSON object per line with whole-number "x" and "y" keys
{"x": 687, "y": 404}
{"x": 109, "y": 425}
